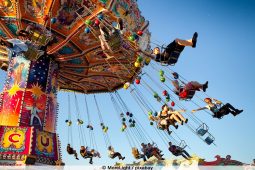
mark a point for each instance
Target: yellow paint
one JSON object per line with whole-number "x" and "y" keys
{"x": 42, "y": 139}
{"x": 36, "y": 90}
{"x": 13, "y": 90}
{"x": 137, "y": 64}
{"x": 7, "y": 3}
{"x": 14, "y": 137}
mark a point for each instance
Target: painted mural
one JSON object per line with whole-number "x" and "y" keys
{"x": 45, "y": 145}
{"x": 14, "y": 91}
{"x": 51, "y": 111}
{"x": 128, "y": 11}
{"x": 70, "y": 11}
{"x": 35, "y": 7}
{"x": 15, "y": 140}
{"x": 34, "y": 105}
{"x": 7, "y": 6}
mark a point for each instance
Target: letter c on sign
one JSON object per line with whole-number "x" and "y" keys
{"x": 12, "y": 136}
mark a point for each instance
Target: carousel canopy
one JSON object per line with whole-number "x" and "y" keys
{"x": 73, "y": 26}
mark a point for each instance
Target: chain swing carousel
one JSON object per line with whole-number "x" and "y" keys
{"x": 50, "y": 45}
{"x": 84, "y": 46}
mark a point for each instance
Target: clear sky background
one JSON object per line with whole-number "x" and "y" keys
{"x": 224, "y": 56}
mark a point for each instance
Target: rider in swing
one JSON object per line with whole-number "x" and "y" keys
{"x": 218, "y": 108}
{"x": 167, "y": 54}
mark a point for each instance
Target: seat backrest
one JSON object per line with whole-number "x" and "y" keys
{"x": 40, "y": 38}
{"x": 175, "y": 54}
{"x": 191, "y": 93}
{"x": 32, "y": 53}
{"x": 209, "y": 140}
{"x": 114, "y": 41}
{"x": 135, "y": 153}
{"x": 201, "y": 132}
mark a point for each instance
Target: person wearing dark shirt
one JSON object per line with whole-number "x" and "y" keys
{"x": 172, "y": 51}
{"x": 177, "y": 151}
{"x": 71, "y": 151}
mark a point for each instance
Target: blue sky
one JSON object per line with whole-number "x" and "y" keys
{"x": 224, "y": 56}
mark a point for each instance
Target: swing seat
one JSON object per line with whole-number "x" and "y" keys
{"x": 135, "y": 153}
{"x": 105, "y": 129}
{"x": 209, "y": 140}
{"x": 69, "y": 123}
{"x": 39, "y": 38}
{"x": 115, "y": 42}
{"x": 174, "y": 55}
{"x": 201, "y": 132}
{"x": 190, "y": 94}
{"x": 202, "y": 129}
{"x": 182, "y": 145}
{"x": 80, "y": 122}
{"x": 32, "y": 53}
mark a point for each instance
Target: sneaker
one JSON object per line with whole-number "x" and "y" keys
{"x": 77, "y": 158}
{"x": 194, "y": 40}
{"x": 186, "y": 121}
{"x": 181, "y": 122}
{"x": 123, "y": 158}
{"x": 176, "y": 127}
{"x": 205, "y": 86}
{"x": 169, "y": 132}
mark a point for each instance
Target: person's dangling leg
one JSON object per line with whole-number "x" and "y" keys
{"x": 232, "y": 109}
{"x": 144, "y": 157}
{"x": 181, "y": 117}
{"x": 194, "y": 85}
{"x": 184, "y": 42}
{"x": 75, "y": 155}
{"x": 194, "y": 40}
{"x": 184, "y": 156}
{"x": 191, "y": 42}
{"x": 186, "y": 153}
{"x": 166, "y": 127}
{"x": 174, "y": 117}
{"x": 91, "y": 160}
{"x": 117, "y": 154}
{"x": 173, "y": 123}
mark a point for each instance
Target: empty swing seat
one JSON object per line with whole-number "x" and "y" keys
{"x": 209, "y": 140}
{"x": 115, "y": 42}
{"x": 32, "y": 53}
{"x": 201, "y": 132}
{"x": 40, "y": 38}
{"x": 182, "y": 145}
{"x": 135, "y": 153}
{"x": 202, "y": 129}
